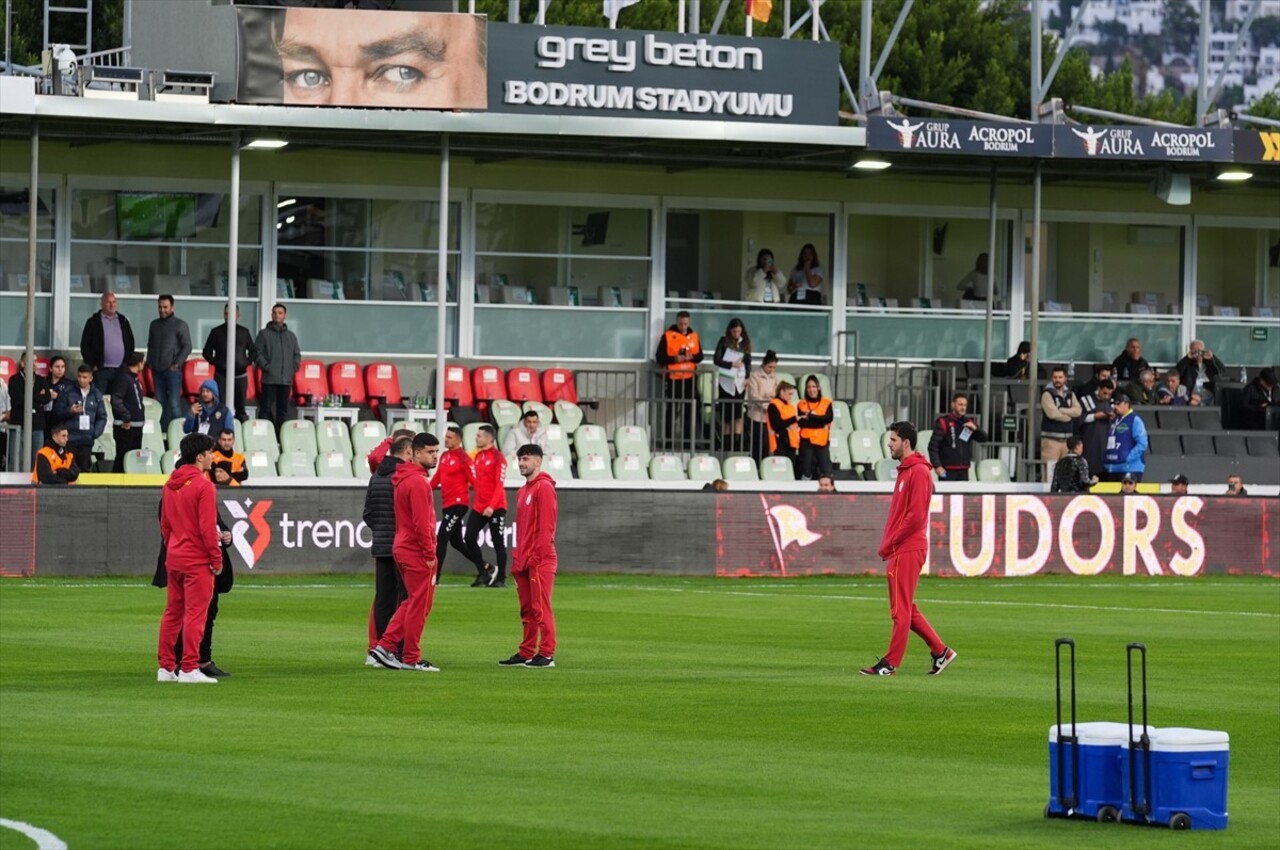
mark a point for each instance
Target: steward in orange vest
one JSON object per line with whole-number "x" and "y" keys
{"x": 54, "y": 464}
{"x": 815, "y": 431}
{"x": 679, "y": 350}
{"x": 228, "y": 468}
{"x": 783, "y": 423}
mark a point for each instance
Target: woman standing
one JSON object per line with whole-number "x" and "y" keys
{"x": 814, "y": 413}
{"x": 763, "y": 282}
{"x": 733, "y": 362}
{"x": 762, "y": 386}
{"x": 807, "y": 278}
{"x": 784, "y": 426}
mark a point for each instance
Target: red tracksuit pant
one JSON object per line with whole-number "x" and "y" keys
{"x": 904, "y": 575}
{"x": 187, "y": 606}
{"x": 411, "y": 617}
{"x": 533, "y": 587}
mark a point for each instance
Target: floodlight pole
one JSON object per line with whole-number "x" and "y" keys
{"x": 442, "y": 285}
{"x": 233, "y": 277}
{"x": 989, "y": 325}
{"x": 1033, "y": 297}
{"x": 29, "y": 355}
{"x": 1037, "y": 59}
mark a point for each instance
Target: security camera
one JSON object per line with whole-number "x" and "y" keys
{"x": 65, "y": 57}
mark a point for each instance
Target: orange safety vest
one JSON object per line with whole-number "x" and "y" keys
{"x": 816, "y": 436}
{"x": 235, "y": 460}
{"x": 788, "y": 411}
{"x": 678, "y": 343}
{"x": 56, "y": 462}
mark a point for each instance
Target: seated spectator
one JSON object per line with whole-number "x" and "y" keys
{"x": 1178, "y": 484}
{"x": 717, "y": 486}
{"x": 762, "y": 386}
{"x": 1019, "y": 365}
{"x": 805, "y": 284}
{"x": 784, "y": 424}
{"x": 374, "y": 458}
{"x": 1199, "y": 370}
{"x": 228, "y": 468}
{"x": 826, "y": 484}
{"x": 83, "y": 410}
{"x": 1235, "y": 486}
{"x": 1101, "y": 372}
{"x": 1094, "y": 424}
{"x": 1259, "y": 397}
{"x": 973, "y": 286}
{"x": 1193, "y": 399}
{"x": 208, "y": 414}
{"x": 763, "y": 283}
{"x": 1172, "y": 392}
{"x": 1071, "y": 473}
{"x": 530, "y": 430}
{"x": 54, "y": 464}
{"x": 1143, "y": 390}
{"x": 1129, "y": 365}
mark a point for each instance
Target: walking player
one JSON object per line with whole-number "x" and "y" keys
{"x": 533, "y": 565}
{"x": 490, "y": 508}
{"x": 414, "y": 551}
{"x": 455, "y": 477}
{"x": 904, "y": 546}
{"x": 380, "y": 516}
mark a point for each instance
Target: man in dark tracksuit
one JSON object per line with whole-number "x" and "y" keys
{"x": 951, "y": 446}
{"x": 128, "y": 415}
{"x": 380, "y": 516}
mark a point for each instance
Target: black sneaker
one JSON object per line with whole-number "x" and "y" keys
{"x": 498, "y": 583}
{"x": 880, "y": 668}
{"x": 516, "y": 660}
{"x": 482, "y": 580}
{"x": 211, "y": 669}
{"x": 491, "y": 575}
{"x": 540, "y": 661}
{"x": 941, "y": 660}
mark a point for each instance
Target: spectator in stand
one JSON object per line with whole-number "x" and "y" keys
{"x": 1126, "y": 443}
{"x": 59, "y": 384}
{"x": 1199, "y": 371}
{"x": 106, "y": 342}
{"x": 733, "y": 363}
{"x": 762, "y": 386}
{"x": 374, "y": 458}
{"x": 1172, "y": 392}
{"x": 784, "y": 427}
{"x": 1101, "y": 372}
{"x": 763, "y": 283}
{"x": 455, "y": 477}
{"x": 228, "y": 468}
{"x": 278, "y": 357}
{"x": 805, "y": 283}
{"x": 5, "y": 407}
{"x": 826, "y": 484}
{"x": 1060, "y": 408}
{"x": 490, "y": 508}
{"x": 529, "y": 430}
{"x": 717, "y": 486}
{"x": 54, "y": 464}
{"x": 1129, "y": 365}
{"x": 1143, "y": 390}
{"x": 813, "y": 415}
{"x": 1094, "y": 425}
{"x": 84, "y": 412}
{"x": 215, "y": 352}
{"x": 208, "y": 414}
{"x": 1235, "y": 486}
{"x": 127, "y": 411}
{"x": 973, "y": 286}
{"x": 39, "y": 398}
{"x": 679, "y": 353}
{"x": 951, "y": 446}
{"x": 1178, "y": 485}
{"x": 1018, "y": 366}
{"x": 1071, "y": 474}
{"x": 1259, "y": 398}
{"x": 168, "y": 347}
{"x": 380, "y": 517}
{"x": 1128, "y": 485}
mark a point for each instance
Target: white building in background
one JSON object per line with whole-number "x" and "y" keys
{"x": 1237, "y": 10}
{"x": 1139, "y": 17}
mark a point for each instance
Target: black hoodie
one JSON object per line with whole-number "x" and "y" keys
{"x": 380, "y": 507}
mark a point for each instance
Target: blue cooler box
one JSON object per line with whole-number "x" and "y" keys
{"x": 1100, "y": 785}
{"x": 1188, "y": 779}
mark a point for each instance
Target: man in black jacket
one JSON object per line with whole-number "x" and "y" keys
{"x": 1128, "y": 366}
{"x": 380, "y": 517}
{"x": 1071, "y": 473}
{"x": 951, "y": 446}
{"x": 40, "y": 396}
{"x": 1094, "y": 424}
{"x": 128, "y": 415}
{"x": 1199, "y": 370}
{"x": 106, "y": 342}
{"x": 215, "y": 352}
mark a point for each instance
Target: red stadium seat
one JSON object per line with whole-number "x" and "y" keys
{"x": 487, "y": 384}
{"x": 253, "y": 389}
{"x": 457, "y": 387}
{"x": 382, "y": 386}
{"x": 195, "y": 373}
{"x": 309, "y": 382}
{"x": 8, "y": 368}
{"x": 522, "y": 385}
{"x": 148, "y": 382}
{"x": 345, "y": 380}
{"x": 557, "y": 385}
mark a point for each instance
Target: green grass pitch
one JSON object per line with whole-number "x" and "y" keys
{"x": 682, "y": 713}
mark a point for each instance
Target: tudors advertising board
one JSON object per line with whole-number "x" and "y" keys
{"x": 1002, "y": 535}
{"x": 1166, "y": 144}
{"x": 946, "y": 136}
{"x": 619, "y": 73}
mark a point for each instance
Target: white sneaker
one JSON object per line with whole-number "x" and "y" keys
{"x": 385, "y": 658}
{"x": 368, "y": 659}
{"x": 163, "y": 675}
{"x": 196, "y": 677}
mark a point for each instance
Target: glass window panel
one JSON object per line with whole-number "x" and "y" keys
{"x": 503, "y": 331}
{"x": 152, "y": 269}
{"x": 884, "y": 256}
{"x": 507, "y": 279}
{"x": 362, "y": 223}
{"x": 575, "y": 231}
{"x": 1234, "y": 269}
{"x": 202, "y": 315}
{"x": 1102, "y": 267}
{"x": 14, "y": 206}
{"x": 363, "y": 275}
{"x": 13, "y": 320}
{"x": 13, "y": 266}
{"x": 325, "y": 328}
{"x": 1233, "y": 342}
{"x": 162, "y": 216}
{"x": 948, "y": 337}
{"x": 788, "y": 331}
{"x": 1063, "y": 339}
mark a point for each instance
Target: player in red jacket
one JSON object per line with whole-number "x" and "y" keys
{"x": 455, "y": 476}
{"x": 193, "y": 556}
{"x": 533, "y": 565}
{"x": 490, "y": 508}
{"x": 375, "y": 457}
{"x": 414, "y": 551}
{"x": 904, "y": 545}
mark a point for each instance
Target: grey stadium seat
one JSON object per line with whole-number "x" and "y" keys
{"x": 1173, "y": 420}
{"x": 1197, "y": 445}
{"x": 1165, "y": 444}
{"x": 1262, "y": 446}
{"x": 1228, "y": 445}
{"x": 1205, "y": 418}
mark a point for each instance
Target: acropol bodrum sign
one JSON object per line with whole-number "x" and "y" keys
{"x": 1187, "y": 144}
{"x": 583, "y": 71}
{"x": 985, "y": 138}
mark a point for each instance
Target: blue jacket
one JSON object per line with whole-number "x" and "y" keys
{"x": 215, "y": 415}
{"x": 1127, "y": 444}
{"x": 94, "y": 407}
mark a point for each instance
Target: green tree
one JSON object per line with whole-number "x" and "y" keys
{"x": 1267, "y": 106}
{"x": 1182, "y": 25}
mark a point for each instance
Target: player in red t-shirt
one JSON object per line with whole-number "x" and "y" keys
{"x": 455, "y": 476}
{"x": 490, "y": 508}
{"x": 533, "y": 565}
{"x": 904, "y": 545}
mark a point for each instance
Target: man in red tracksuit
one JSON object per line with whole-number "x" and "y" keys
{"x": 533, "y": 564}
{"x": 414, "y": 551}
{"x": 904, "y": 546}
{"x": 455, "y": 476}
{"x": 375, "y": 457}
{"x": 490, "y": 509}
{"x": 193, "y": 556}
